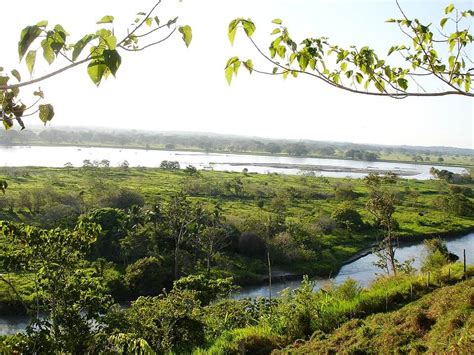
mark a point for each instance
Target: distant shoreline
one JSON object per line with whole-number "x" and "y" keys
{"x": 197, "y": 150}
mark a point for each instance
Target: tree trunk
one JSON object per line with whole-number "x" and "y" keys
{"x": 269, "y": 276}
{"x": 176, "y": 263}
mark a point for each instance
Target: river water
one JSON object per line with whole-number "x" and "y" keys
{"x": 361, "y": 270}
{"x": 364, "y": 271}
{"x": 48, "y": 156}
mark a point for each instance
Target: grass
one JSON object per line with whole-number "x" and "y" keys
{"x": 305, "y": 199}
{"x": 440, "y": 322}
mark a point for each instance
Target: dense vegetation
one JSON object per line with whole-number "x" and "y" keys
{"x": 236, "y": 144}
{"x": 75, "y": 241}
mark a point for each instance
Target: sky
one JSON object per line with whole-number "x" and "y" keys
{"x": 173, "y": 88}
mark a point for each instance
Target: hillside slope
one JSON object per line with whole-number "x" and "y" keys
{"x": 440, "y": 322}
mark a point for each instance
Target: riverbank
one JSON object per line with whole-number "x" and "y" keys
{"x": 282, "y": 276}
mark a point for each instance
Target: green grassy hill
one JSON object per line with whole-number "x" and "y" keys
{"x": 440, "y": 322}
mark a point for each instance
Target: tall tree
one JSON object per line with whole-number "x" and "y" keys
{"x": 381, "y": 205}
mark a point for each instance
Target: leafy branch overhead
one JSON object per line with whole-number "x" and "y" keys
{"x": 441, "y": 57}
{"x": 101, "y": 50}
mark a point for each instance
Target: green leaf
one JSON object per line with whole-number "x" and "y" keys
{"x": 16, "y": 74}
{"x": 4, "y": 80}
{"x": 232, "y": 30}
{"x": 79, "y": 46}
{"x": 48, "y": 52}
{"x": 42, "y": 24}
{"x": 403, "y": 83}
{"x": 467, "y": 83}
{"x": 111, "y": 42}
{"x": 343, "y": 66}
{"x": 106, "y": 19}
{"x": 275, "y": 31}
{"x": 229, "y": 71}
{"x": 249, "y": 65}
{"x": 449, "y": 9}
{"x": 359, "y": 78}
{"x": 443, "y": 22}
{"x": 27, "y": 37}
{"x": 285, "y": 74}
{"x": 171, "y": 22}
{"x": 236, "y": 67}
{"x": 249, "y": 27}
{"x": 157, "y": 20}
{"x": 390, "y": 20}
{"x": 277, "y": 21}
{"x": 30, "y": 61}
{"x": 96, "y": 70}
{"x": 303, "y": 62}
{"x": 187, "y": 33}
{"x": 388, "y": 73}
{"x": 46, "y": 113}
{"x": 39, "y": 93}
{"x": 112, "y": 60}
{"x": 379, "y": 84}
{"x": 366, "y": 84}
{"x": 392, "y": 49}
{"x": 451, "y": 61}
{"x": 149, "y": 21}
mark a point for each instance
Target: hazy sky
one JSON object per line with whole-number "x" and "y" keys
{"x": 171, "y": 87}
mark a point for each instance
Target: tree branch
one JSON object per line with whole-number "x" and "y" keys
{"x": 44, "y": 77}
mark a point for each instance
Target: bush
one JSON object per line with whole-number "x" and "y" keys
{"x": 325, "y": 224}
{"x": 286, "y": 250}
{"x": 207, "y": 290}
{"x": 225, "y": 315}
{"x": 112, "y": 222}
{"x": 145, "y": 277}
{"x": 169, "y": 165}
{"x": 169, "y": 323}
{"x": 123, "y": 199}
{"x": 347, "y": 217}
{"x": 345, "y": 192}
{"x": 251, "y": 340}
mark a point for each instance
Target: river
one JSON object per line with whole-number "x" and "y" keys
{"x": 48, "y": 156}
{"x": 364, "y": 271}
{"x": 361, "y": 270}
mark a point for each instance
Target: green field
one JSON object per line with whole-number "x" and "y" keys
{"x": 303, "y": 201}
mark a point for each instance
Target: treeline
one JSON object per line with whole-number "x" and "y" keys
{"x": 214, "y": 142}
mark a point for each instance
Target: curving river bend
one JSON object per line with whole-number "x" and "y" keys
{"x": 361, "y": 270}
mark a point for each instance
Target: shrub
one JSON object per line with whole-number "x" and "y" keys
{"x": 286, "y": 250}
{"x": 169, "y": 165}
{"x": 251, "y": 340}
{"x": 345, "y": 192}
{"x": 207, "y": 290}
{"x": 123, "y": 198}
{"x": 168, "y": 323}
{"x": 347, "y": 216}
{"x": 325, "y": 224}
{"x": 145, "y": 277}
